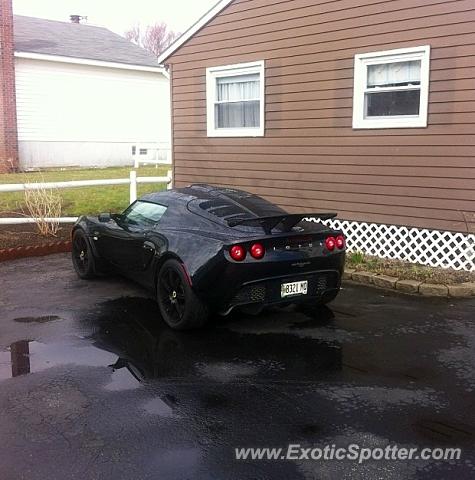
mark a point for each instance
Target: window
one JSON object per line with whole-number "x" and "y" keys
{"x": 144, "y": 214}
{"x": 391, "y": 88}
{"x": 235, "y": 100}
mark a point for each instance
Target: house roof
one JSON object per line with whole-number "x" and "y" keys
{"x": 221, "y": 5}
{"x": 65, "y": 39}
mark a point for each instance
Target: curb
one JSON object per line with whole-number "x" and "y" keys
{"x": 460, "y": 290}
{"x": 36, "y": 251}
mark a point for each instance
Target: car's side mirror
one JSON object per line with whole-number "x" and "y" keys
{"x": 105, "y": 217}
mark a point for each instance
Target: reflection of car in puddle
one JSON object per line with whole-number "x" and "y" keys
{"x": 127, "y": 337}
{"x": 150, "y": 350}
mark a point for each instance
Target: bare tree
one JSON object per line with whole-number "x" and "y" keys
{"x": 133, "y": 34}
{"x": 155, "y": 38}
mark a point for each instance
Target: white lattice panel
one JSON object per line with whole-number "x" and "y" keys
{"x": 435, "y": 248}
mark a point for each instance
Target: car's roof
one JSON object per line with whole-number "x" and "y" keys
{"x": 216, "y": 203}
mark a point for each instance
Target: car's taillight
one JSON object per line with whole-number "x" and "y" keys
{"x": 237, "y": 253}
{"x": 257, "y": 251}
{"x": 340, "y": 242}
{"x": 330, "y": 243}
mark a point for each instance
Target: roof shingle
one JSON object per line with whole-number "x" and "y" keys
{"x": 50, "y": 37}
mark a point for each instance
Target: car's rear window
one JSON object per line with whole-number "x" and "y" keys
{"x": 234, "y": 204}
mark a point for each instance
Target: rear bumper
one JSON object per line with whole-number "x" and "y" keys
{"x": 267, "y": 291}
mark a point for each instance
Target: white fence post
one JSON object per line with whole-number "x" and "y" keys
{"x": 133, "y": 186}
{"x": 170, "y": 176}
{"x": 135, "y": 156}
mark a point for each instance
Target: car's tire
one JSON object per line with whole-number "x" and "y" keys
{"x": 179, "y": 305}
{"x": 82, "y": 256}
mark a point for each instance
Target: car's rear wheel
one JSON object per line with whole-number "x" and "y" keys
{"x": 180, "y": 307}
{"x": 83, "y": 259}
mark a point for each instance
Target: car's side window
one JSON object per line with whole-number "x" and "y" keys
{"x": 143, "y": 214}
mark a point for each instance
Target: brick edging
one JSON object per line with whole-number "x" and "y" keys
{"x": 34, "y": 251}
{"x": 410, "y": 286}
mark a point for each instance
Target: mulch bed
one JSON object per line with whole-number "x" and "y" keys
{"x": 19, "y": 241}
{"x": 12, "y": 236}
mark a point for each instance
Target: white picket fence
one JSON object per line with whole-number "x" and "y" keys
{"x": 132, "y": 181}
{"x": 151, "y": 153}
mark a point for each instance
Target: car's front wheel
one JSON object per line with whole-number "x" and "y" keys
{"x": 179, "y": 305}
{"x": 83, "y": 259}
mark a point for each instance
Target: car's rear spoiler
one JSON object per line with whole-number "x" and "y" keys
{"x": 286, "y": 220}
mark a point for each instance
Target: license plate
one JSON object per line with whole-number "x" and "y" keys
{"x": 294, "y": 288}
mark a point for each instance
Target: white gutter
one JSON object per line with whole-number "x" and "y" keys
{"x": 94, "y": 63}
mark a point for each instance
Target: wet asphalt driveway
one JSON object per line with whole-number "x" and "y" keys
{"x": 93, "y": 385}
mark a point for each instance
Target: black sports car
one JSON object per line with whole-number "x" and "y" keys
{"x": 204, "y": 249}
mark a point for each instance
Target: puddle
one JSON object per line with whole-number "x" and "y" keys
{"x": 217, "y": 355}
{"x": 43, "y": 319}
{"x": 128, "y": 337}
{"x": 149, "y": 350}
{"x": 31, "y": 356}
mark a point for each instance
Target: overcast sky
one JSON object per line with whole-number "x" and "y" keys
{"x": 118, "y": 15}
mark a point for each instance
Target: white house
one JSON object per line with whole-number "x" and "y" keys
{"x": 86, "y": 96}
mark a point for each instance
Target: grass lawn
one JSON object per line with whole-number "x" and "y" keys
{"x": 86, "y": 200}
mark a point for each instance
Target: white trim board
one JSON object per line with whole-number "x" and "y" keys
{"x": 94, "y": 63}
{"x": 212, "y": 73}
{"x": 221, "y": 5}
{"x": 362, "y": 61}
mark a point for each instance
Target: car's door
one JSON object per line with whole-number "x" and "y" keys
{"x": 124, "y": 244}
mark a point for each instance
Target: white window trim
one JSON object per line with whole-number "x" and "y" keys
{"x": 360, "y": 77}
{"x": 212, "y": 73}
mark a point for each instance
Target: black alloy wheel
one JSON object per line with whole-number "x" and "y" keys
{"x": 180, "y": 307}
{"x": 172, "y": 294}
{"x": 83, "y": 260}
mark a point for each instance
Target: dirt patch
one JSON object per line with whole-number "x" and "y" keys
{"x": 12, "y": 236}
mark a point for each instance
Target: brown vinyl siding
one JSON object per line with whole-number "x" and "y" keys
{"x": 310, "y": 157}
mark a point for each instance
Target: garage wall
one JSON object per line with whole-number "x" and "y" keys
{"x": 72, "y": 115}
{"x": 310, "y": 157}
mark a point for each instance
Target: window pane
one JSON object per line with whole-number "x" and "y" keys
{"x": 240, "y": 87}
{"x": 144, "y": 213}
{"x": 401, "y": 102}
{"x": 394, "y": 74}
{"x": 237, "y": 115}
